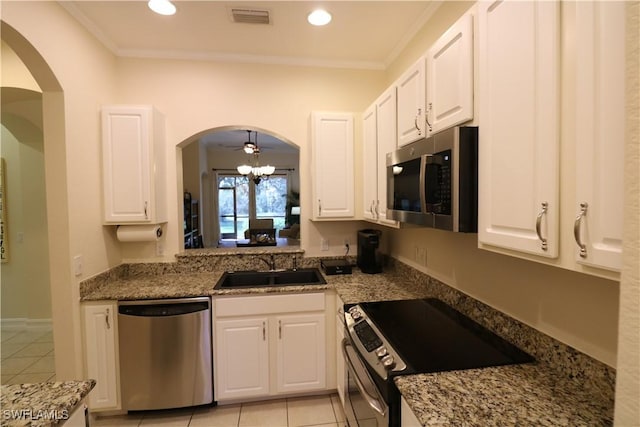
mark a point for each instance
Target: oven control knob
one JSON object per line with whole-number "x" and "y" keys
{"x": 381, "y": 352}
{"x": 355, "y": 313}
{"x": 388, "y": 361}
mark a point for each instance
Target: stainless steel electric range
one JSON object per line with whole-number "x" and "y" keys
{"x": 389, "y": 338}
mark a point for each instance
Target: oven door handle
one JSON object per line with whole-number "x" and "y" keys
{"x": 376, "y": 404}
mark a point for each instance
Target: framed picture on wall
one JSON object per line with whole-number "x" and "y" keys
{"x": 4, "y": 250}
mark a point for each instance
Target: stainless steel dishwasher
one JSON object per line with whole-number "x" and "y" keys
{"x": 165, "y": 353}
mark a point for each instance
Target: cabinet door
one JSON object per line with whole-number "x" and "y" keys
{"x": 341, "y": 378}
{"x": 411, "y": 102}
{"x": 101, "y": 353}
{"x": 241, "y": 358}
{"x": 450, "y": 77}
{"x": 386, "y": 136}
{"x": 519, "y": 130}
{"x": 127, "y": 173}
{"x": 134, "y": 169}
{"x": 407, "y": 417}
{"x": 369, "y": 164}
{"x": 333, "y": 176}
{"x": 301, "y": 354}
{"x": 600, "y": 118}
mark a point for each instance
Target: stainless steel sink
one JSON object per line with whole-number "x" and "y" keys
{"x": 249, "y": 279}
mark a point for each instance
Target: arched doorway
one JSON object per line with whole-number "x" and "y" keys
{"x": 65, "y": 334}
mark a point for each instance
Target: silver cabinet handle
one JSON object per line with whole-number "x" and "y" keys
{"x": 146, "y": 212}
{"x": 280, "y": 329}
{"x": 377, "y": 209}
{"x": 415, "y": 122}
{"x": 543, "y": 212}
{"x": 106, "y": 319}
{"x": 426, "y": 116}
{"x": 576, "y": 229}
{"x": 264, "y": 331}
{"x": 371, "y": 209}
{"x": 319, "y": 207}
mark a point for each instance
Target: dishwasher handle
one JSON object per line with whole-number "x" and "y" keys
{"x": 160, "y": 308}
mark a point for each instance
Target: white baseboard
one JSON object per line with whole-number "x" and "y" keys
{"x": 24, "y": 324}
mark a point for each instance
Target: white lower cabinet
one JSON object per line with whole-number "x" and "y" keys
{"x": 79, "y": 417}
{"x": 270, "y": 345}
{"x": 301, "y": 353}
{"x": 242, "y": 358}
{"x": 101, "y": 352}
{"x": 407, "y": 417}
{"x": 341, "y": 377}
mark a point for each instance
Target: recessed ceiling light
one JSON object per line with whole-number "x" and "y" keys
{"x": 319, "y": 17}
{"x": 163, "y": 7}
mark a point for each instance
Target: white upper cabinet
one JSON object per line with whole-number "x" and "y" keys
{"x": 450, "y": 77}
{"x": 411, "y": 104}
{"x": 369, "y": 163}
{"x": 379, "y": 129}
{"x": 333, "y": 165}
{"x": 386, "y": 131}
{"x": 519, "y": 126}
{"x": 600, "y": 123}
{"x": 133, "y": 156}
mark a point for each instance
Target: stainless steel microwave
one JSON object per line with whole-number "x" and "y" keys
{"x": 433, "y": 182}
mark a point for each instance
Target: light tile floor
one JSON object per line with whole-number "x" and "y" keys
{"x": 317, "y": 411}
{"x": 27, "y": 356}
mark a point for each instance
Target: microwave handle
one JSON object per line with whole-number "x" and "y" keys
{"x": 426, "y": 159}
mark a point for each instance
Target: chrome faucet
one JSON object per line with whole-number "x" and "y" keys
{"x": 271, "y": 262}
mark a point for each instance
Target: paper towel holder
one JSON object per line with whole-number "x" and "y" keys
{"x": 146, "y": 236}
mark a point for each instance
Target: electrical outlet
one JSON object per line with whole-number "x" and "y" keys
{"x": 159, "y": 248}
{"x": 421, "y": 255}
{"x": 77, "y": 265}
{"x": 324, "y": 244}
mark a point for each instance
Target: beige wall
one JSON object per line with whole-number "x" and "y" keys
{"x": 77, "y": 75}
{"x": 276, "y": 98}
{"x": 627, "y": 412}
{"x": 26, "y": 294}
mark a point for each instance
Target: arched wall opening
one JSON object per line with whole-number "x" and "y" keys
{"x": 210, "y": 157}
{"x": 65, "y": 327}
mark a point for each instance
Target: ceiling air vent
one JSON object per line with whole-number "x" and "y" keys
{"x": 250, "y": 16}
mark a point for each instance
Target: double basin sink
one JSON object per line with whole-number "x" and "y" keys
{"x": 252, "y": 279}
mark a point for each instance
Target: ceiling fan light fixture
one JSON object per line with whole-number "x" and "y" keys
{"x": 162, "y": 7}
{"x": 249, "y": 147}
{"x": 319, "y": 17}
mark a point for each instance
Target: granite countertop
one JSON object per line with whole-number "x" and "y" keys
{"x": 516, "y": 395}
{"x": 533, "y": 394}
{"x": 41, "y": 404}
{"x": 357, "y": 287}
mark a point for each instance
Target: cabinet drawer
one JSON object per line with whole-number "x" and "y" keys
{"x": 250, "y": 305}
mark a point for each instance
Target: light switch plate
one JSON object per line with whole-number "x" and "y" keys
{"x": 77, "y": 265}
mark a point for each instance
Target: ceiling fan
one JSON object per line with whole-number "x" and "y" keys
{"x": 249, "y": 146}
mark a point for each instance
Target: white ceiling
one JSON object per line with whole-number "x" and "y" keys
{"x": 362, "y": 35}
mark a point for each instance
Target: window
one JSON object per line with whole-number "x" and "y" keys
{"x": 240, "y": 199}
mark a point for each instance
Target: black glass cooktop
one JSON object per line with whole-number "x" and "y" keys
{"x": 430, "y": 336}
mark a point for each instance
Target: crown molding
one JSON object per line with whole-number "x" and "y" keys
{"x": 95, "y": 30}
